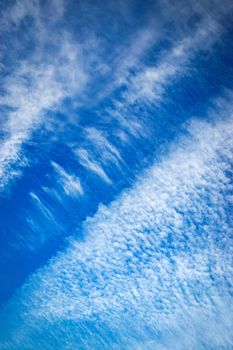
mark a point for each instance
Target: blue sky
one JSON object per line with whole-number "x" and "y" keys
{"x": 116, "y": 175}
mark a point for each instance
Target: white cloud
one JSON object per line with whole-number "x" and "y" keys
{"x": 149, "y": 84}
{"x": 91, "y": 164}
{"x": 159, "y": 257}
{"x": 33, "y": 89}
{"x": 103, "y": 146}
{"x": 70, "y": 183}
{"x": 146, "y": 85}
{"x": 37, "y": 83}
{"x": 46, "y": 212}
{"x": 43, "y": 80}
{"x": 14, "y": 14}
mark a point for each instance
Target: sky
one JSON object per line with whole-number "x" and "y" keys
{"x": 116, "y": 168}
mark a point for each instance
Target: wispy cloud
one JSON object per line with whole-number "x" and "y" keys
{"x": 148, "y": 85}
{"x": 70, "y": 183}
{"x": 103, "y": 146}
{"x": 36, "y": 84}
{"x": 44, "y": 78}
{"x": 159, "y": 257}
{"x": 46, "y": 212}
{"x": 91, "y": 164}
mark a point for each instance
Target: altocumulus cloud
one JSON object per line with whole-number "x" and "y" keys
{"x": 154, "y": 268}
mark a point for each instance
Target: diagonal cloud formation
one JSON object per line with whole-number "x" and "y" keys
{"x": 32, "y": 90}
{"x": 55, "y": 70}
{"x": 154, "y": 268}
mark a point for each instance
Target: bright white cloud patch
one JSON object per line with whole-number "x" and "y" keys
{"x": 154, "y": 268}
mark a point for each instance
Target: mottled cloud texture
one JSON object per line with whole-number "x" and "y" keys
{"x": 157, "y": 261}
